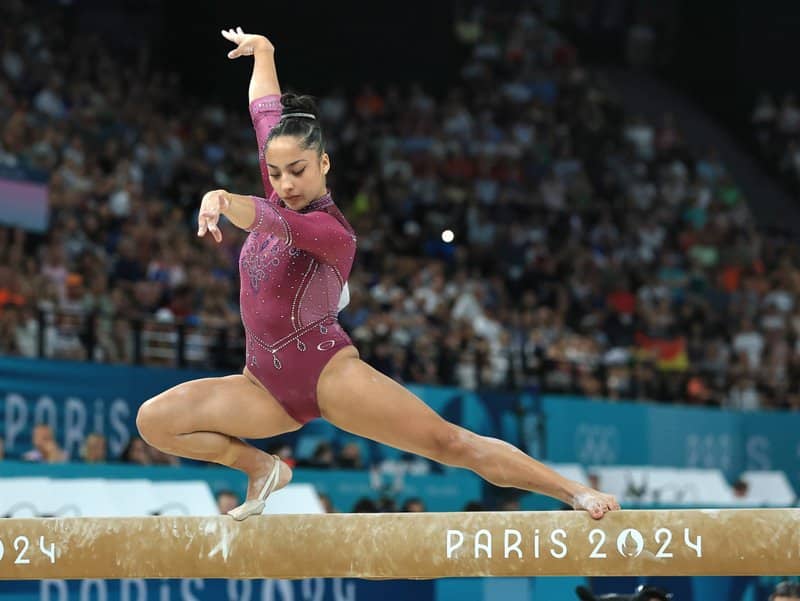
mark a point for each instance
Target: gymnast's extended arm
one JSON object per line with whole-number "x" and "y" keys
{"x": 265, "y": 91}
{"x": 317, "y": 232}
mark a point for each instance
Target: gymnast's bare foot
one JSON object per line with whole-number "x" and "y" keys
{"x": 594, "y": 502}
{"x": 257, "y": 478}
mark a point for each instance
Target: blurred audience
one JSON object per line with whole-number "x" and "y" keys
{"x": 786, "y": 591}
{"x": 350, "y": 457}
{"x": 546, "y": 238}
{"x": 593, "y": 252}
{"x": 227, "y": 500}
{"x": 321, "y": 458}
{"x": 327, "y": 503}
{"x": 414, "y": 505}
{"x": 138, "y": 452}
{"x": 45, "y": 448}
{"x": 95, "y": 449}
{"x": 474, "y": 506}
{"x": 365, "y": 505}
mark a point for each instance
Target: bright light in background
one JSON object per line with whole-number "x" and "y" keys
{"x": 448, "y": 236}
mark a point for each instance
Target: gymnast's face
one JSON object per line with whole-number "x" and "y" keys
{"x": 297, "y": 175}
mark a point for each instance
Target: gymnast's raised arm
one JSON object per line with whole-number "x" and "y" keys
{"x": 264, "y": 92}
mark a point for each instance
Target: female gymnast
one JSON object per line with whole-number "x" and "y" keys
{"x": 300, "y": 364}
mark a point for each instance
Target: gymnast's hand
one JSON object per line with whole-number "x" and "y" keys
{"x": 213, "y": 203}
{"x": 596, "y": 503}
{"x": 247, "y": 44}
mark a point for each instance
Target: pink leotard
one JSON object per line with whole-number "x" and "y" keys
{"x": 292, "y": 266}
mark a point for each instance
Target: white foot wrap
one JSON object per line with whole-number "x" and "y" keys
{"x": 256, "y": 506}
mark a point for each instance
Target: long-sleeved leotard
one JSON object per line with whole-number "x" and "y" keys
{"x": 292, "y": 266}
{"x": 265, "y": 112}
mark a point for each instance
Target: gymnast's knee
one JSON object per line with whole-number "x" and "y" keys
{"x": 153, "y": 420}
{"x": 453, "y": 445}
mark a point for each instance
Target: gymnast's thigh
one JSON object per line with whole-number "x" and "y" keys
{"x": 236, "y": 405}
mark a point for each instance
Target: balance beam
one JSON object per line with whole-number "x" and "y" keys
{"x": 412, "y": 545}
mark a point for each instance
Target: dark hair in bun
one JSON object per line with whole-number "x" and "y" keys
{"x": 300, "y": 119}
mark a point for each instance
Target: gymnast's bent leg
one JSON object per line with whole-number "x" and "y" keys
{"x": 205, "y": 419}
{"x": 357, "y": 398}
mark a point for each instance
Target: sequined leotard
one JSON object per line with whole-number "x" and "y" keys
{"x": 292, "y": 266}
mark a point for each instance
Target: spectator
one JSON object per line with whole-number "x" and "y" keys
{"x": 414, "y": 505}
{"x": 741, "y": 489}
{"x": 322, "y": 457}
{"x": 510, "y": 504}
{"x": 94, "y": 449}
{"x": 743, "y": 395}
{"x": 45, "y": 449}
{"x": 136, "y": 452}
{"x": 158, "y": 457}
{"x": 8, "y": 331}
{"x": 350, "y": 457}
{"x": 365, "y": 505}
{"x": 327, "y": 503}
{"x": 285, "y": 452}
{"x": 786, "y": 591}
{"x": 750, "y": 343}
{"x": 386, "y": 505}
{"x": 227, "y": 500}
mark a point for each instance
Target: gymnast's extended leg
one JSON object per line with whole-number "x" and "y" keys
{"x": 205, "y": 419}
{"x": 359, "y": 399}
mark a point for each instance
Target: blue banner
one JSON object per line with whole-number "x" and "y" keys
{"x": 79, "y": 398}
{"x": 771, "y": 441}
{"x": 597, "y": 433}
{"x": 335, "y": 589}
{"x": 314, "y": 589}
{"x": 76, "y": 399}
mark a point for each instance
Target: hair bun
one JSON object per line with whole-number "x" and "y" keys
{"x": 295, "y": 103}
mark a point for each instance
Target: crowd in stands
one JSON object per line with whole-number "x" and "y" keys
{"x": 776, "y": 129}
{"x": 94, "y": 449}
{"x": 593, "y": 252}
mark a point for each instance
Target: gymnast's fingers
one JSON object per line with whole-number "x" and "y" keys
{"x": 215, "y": 231}
{"x": 207, "y": 220}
